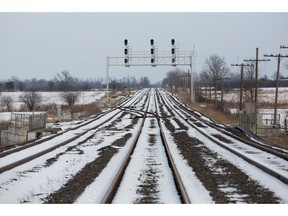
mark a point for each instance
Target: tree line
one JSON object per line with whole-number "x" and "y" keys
{"x": 214, "y": 70}
{"x": 69, "y": 86}
{"x": 64, "y": 81}
{"x": 216, "y": 76}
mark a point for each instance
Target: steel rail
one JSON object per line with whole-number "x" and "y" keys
{"x": 251, "y": 161}
{"x": 179, "y": 183}
{"x": 38, "y": 154}
{"x": 110, "y": 193}
{"x": 269, "y": 149}
{"x": 34, "y": 143}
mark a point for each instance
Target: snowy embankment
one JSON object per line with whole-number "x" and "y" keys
{"x": 86, "y": 97}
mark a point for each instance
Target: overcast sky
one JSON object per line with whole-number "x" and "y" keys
{"x": 40, "y": 45}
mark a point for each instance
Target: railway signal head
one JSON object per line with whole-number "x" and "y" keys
{"x": 173, "y": 60}
{"x": 125, "y": 42}
{"x": 152, "y": 42}
{"x": 173, "y": 51}
{"x": 173, "y": 42}
{"x": 126, "y": 61}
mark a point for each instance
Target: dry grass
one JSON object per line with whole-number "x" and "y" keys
{"x": 80, "y": 110}
{"x": 85, "y": 110}
{"x": 208, "y": 109}
{"x": 281, "y": 140}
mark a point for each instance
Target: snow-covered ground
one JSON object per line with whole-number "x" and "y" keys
{"x": 17, "y": 186}
{"x": 55, "y": 98}
{"x": 34, "y": 180}
{"x": 264, "y": 95}
{"x": 5, "y": 116}
{"x": 86, "y": 97}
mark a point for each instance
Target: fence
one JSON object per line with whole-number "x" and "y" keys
{"x": 31, "y": 121}
{"x": 262, "y": 124}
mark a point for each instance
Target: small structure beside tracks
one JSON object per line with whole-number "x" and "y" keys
{"x": 25, "y": 126}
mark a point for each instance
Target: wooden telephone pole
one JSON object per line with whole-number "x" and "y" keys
{"x": 241, "y": 82}
{"x": 256, "y": 60}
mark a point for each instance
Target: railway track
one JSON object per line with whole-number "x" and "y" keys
{"x": 154, "y": 177}
{"x": 18, "y": 156}
{"x": 280, "y": 151}
{"x": 227, "y": 140}
{"x": 150, "y": 149}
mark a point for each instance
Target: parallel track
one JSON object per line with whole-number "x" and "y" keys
{"x": 179, "y": 112}
{"x": 108, "y": 198}
{"x": 21, "y": 160}
{"x": 184, "y": 113}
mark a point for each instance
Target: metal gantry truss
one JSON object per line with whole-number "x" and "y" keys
{"x": 153, "y": 58}
{"x": 182, "y": 59}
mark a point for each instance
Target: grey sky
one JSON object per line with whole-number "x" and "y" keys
{"x": 39, "y": 45}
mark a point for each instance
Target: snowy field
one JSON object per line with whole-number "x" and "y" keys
{"x": 35, "y": 180}
{"x": 86, "y": 97}
{"x": 265, "y": 95}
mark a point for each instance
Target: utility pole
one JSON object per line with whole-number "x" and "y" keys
{"x": 279, "y": 57}
{"x": 256, "y": 60}
{"x": 107, "y": 78}
{"x": 192, "y": 61}
{"x": 241, "y": 82}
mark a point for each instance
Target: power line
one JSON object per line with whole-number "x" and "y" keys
{"x": 241, "y": 81}
{"x": 279, "y": 57}
{"x": 256, "y": 60}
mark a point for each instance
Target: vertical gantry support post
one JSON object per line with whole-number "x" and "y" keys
{"x": 107, "y": 78}
{"x": 277, "y": 86}
{"x": 192, "y": 96}
{"x": 241, "y": 87}
{"x": 256, "y": 81}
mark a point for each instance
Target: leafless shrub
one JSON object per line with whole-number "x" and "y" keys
{"x": 70, "y": 97}
{"x": 6, "y": 103}
{"x": 31, "y": 100}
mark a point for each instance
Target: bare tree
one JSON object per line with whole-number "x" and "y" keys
{"x": 31, "y": 100}
{"x": 51, "y": 85}
{"x": 9, "y": 85}
{"x": 21, "y": 86}
{"x": 205, "y": 82}
{"x": 70, "y": 97}
{"x": 144, "y": 82}
{"x": 174, "y": 78}
{"x": 249, "y": 83}
{"x": 64, "y": 81}
{"x": 215, "y": 69}
{"x": 7, "y": 103}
